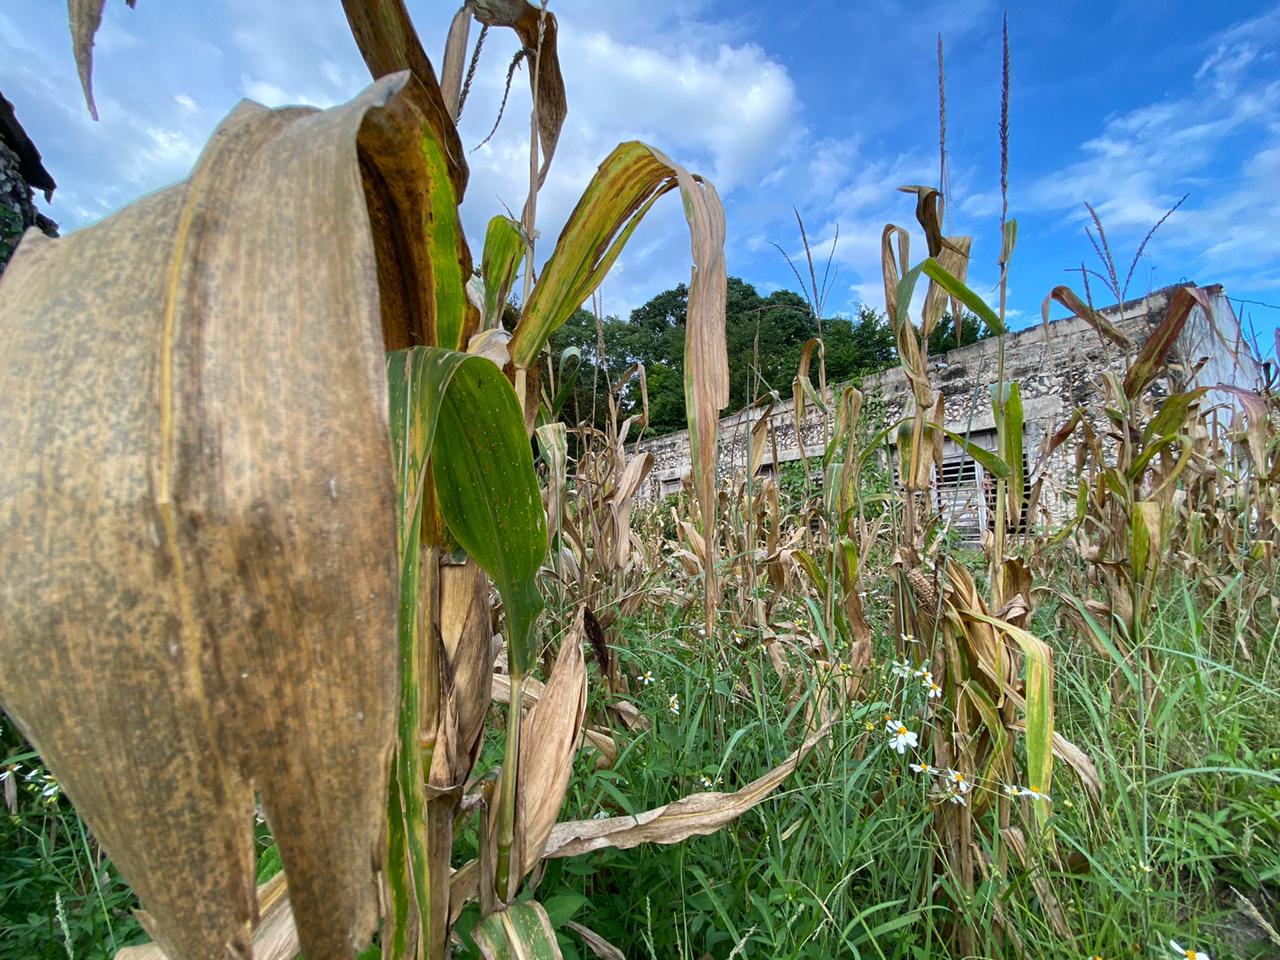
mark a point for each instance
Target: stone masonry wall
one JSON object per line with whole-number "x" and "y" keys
{"x": 1058, "y": 367}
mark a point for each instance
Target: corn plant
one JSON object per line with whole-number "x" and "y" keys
{"x": 986, "y": 679}
{"x": 290, "y": 539}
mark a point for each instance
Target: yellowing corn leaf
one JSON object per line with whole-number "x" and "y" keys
{"x": 761, "y": 432}
{"x": 520, "y": 932}
{"x": 199, "y": 544}
{"x": 627, "y": 184}
{"x": 802, "y": 387}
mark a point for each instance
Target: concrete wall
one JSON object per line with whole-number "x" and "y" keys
{"x": 1058, "y": 367}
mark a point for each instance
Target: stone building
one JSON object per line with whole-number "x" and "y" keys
{"x": 21, "y": 174}
{"x": 1058, "y": 367}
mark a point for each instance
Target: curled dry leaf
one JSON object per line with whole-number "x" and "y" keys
{"x": 537, "y": 29}
{"x": 198, "y": 383}
{"x": 598, "y": 945}
{"x": 698, "y": 814}
{"x": 84, "y": 18}
{"x": 549, "y": 738}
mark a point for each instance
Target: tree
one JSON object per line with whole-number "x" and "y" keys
{"x": 765, "y": 338}
{"x": 943, "y": 337}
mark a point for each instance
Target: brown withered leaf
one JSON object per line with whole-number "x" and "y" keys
{"x": 538, "y": 32}
{"x": 1067, "y": 297}
{"x": 275, "y": 937}
{"x": 549, "y": 737}
{"x": 698, "y": 814}
{"x": 84, "y": 17}
{"x": 598, "y": 945}
{"x": 468, "y": 662}
{"x": 389, "y": 43}
{"x": 198, "y": 538}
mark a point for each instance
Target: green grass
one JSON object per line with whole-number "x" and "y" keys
{"x": 841, "y": 860}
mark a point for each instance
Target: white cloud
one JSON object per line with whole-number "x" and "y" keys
{"x": 1218, "y": 141}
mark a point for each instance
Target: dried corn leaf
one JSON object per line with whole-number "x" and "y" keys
{"x": 698, "y": 814}
{"x": 537, "y": 29}
{"x": 549, "y": 737}
{"x": 84, "y": 17}
{"x": 1067, "y": 297}
{"x": 389, "y": 43}
{"x": 1160, "y": 343}
{"x": 598, "y": 945}
{"x": 275, "y": 937}
{"x": 200, "y": 580}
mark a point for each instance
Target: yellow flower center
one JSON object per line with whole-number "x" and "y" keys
{"x": 902, "y": 731}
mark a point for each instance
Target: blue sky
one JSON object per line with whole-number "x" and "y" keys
{"x": 826, "y": 106}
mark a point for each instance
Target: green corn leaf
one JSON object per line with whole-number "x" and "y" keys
{"x": 1009, "y": 417}
{"x": 470, "y": 427}
{"x": 990, "y": 462}
{"x": 1038, "y": 678}
{"x": 566, "y": 378}
{"x": 811, "y": 568}
{"x": 521, "y": 932}
{"x": 504, "y": 246}
{"x": 1009, "y": 241}
{"x": 943, "y": 278}
{"x": 488, "y": 492}
{"x": 1172, "y": 415}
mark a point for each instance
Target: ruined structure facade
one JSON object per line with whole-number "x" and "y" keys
{"x": 1058, "y": 367}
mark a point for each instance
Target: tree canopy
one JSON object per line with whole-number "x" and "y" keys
{"x": 765, "y": 336}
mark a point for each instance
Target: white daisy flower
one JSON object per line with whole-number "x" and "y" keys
{"x": 706, "y": 782}
{"x": 902, "y": 669}
{"x": 922, "y": 767}
{"x": 930, "y": 684}
{"x": 1188, "y": 954}
{"x": 48, "y": 784}
{"x": 957, "y": 782}
{"x": 646, "y": 678}
{"x": 900, "y": 737}
{"x": 923, "y": 671}
{"x": 908, "y": 638}
{"x": 1033, "y": 792}
{"x": 956, "y": 796}
{"x": 1012, "y": 790}
{"x": 673, "y": 704}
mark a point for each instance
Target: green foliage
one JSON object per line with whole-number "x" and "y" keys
{"x": 841, "y": 862}
{"x": 943, "y": 337}
{"x": 765, "y": 337}
{"x": 49, "y": 860}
